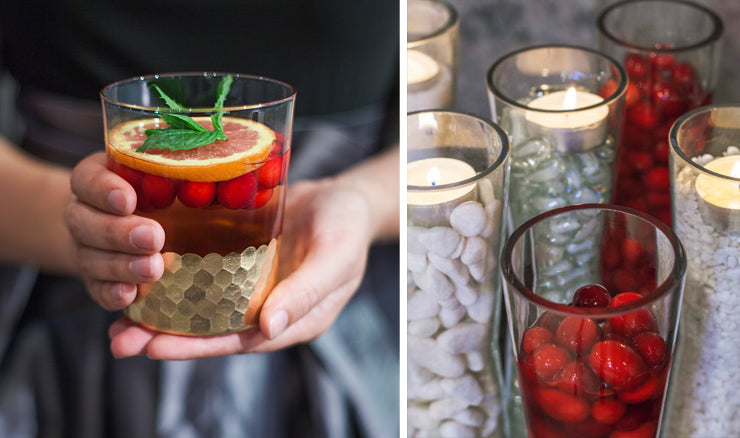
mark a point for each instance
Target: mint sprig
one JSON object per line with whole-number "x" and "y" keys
{"x": 184, "y": 133}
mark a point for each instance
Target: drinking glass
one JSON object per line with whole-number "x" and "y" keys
{"x": 596, "y": 362}
{"x": 220, "y": 204}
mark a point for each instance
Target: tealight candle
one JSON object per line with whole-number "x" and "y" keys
{"x": 428, "y": 207}
{"x": 429, "y": 82}
{"x": 420, "y": 67}
{"x": 572, "y": 129}
{"x": 719, "y": 197}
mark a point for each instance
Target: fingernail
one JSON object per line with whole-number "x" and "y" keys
{"x": 143, "y": 237}
{"x": 278, "y": 323}
{"x": 117, "y": 201}
{"x": 142, "y": 266}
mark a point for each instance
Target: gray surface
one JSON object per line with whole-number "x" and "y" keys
{"x": 490, "y": 29}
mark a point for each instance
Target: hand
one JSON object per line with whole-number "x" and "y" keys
{"x": 326, "y": 235}
{"x": 114, "y": 249}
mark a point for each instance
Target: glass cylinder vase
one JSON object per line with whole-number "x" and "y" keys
{"x": 595, "y": 363}
{"x": 457, "y": 166}
{"x": 705, "y": 168}
{"x": 431, "y": 52}
{"x": 670, "y": 50}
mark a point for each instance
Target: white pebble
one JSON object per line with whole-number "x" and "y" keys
{"x": 470, "y": 417}
{"x": 475, "y": 250}
{"x": 465, "y": 388}
{"x": 466, "y": 294}
{"x": 450, "y": 317}
{"x": 475, "y": 361}
{"x": 421, "y": 305}
{"x": 479, "y": 271}
{"x": 426, "y": 353}
{"x": 441, "y": 241}
{"x": 482, "y": 310}
{"x": 446, "y": 407}
{"x": 423, "y": 328}
{"x": 462, "y": 338}
{"x": 430, "y": 390}
{"x": 452, "y": 429}
{"x": 413, "y": 243}
{"x": 431, "y": 280}
{"x": 458, "y": 249}
{"x": 416, "y": 262}
{"x": 468, "y": 218}
{"x": 449, "y": 302}
{"x": 485, "y": 191}
{"x": 420, "y": 418}
{"x": 453, "y": 268}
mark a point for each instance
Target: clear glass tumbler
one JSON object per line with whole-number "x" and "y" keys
{"x": 213, "y": 173}
{"x": 457, "y": 166}
{"x": 431, "y": 52}
{"x": 596, "y": 363}
{"x": 705, "y": 186}
{"x": 670, "y": 50}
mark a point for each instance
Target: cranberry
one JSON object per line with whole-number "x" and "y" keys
{"x": 624, "y": 278}
{"x": 588, "y": 428}
{"x": 660, "y": 152}
{"x": 631, "y": 251}
{"x": 632, "y": 95}
{"x": 636, "y": 66}
{"x": 608, "y": 410}
{"x": 646, "y": 430}
{"x": 236, "y": 193}
{"x": 668, "y": 99}
{"x": 591, "y": 295}
{"x": 651, "y": 347}
{"x": 577, "y": 334}
{"x": 563, "y": 407}
{"x": 549, "y": 320}
{"x": 271, "y": 173}
{"x": 616, "y": 363}
{"x": 577, "y": 379}
{"x": 547, "y": 361}
{"x": 632, "y": 323}
{"x": 157, "y": 191}
{"x": 683, "y": 73}
{"x": 535, "y": 337}
{"x": 657, "y": 179}
{"x": 635, "y": 416}
{"x": 608, "y": 332}
{"x": 261, "y": 198}
{"x": 132, "y": 176}
{"x": 658, "y": 199}
{"x": 608, "y": 89}
{"x": 641, "y": 393}
{"x": 196, "y": 194}
{"x": 640, "y": 160}
{"x": 279, "y": 138}
{"x": 644, "y": 115}
{"x": 662, "y": 61}
{"x": 663, "y": 215}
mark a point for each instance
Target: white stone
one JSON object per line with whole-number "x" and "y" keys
{"x": 413, "y": 241}
{"x": 466, "y": 294}
{"x": 420, "y": 418}
{"x": 468, "y": 218}
{"x": 479, "y": 271}
{"x": 431, "y": 280}
{"x": 431, "y": 390}
{"x": 475, "y": 250}
{"x": 416, "y": 262}
{"x": 450, "y": 317}
{"x": 426, "y": 353}
{"x": 421, "y": 305}
{"x": 475, "y": 361}
{"x": 463, "y": 338}
{"x": 465, "y": 388}
{"x": 452, "y": 268}
{"x": 441, "y": 241}
{"x": 458, "y": 249}
{"x": 449, "y": 302}
{"x": 485, "y": 191}
{"x": 453, "y": 429}
{"x": 470, "y": 417}
{"x": 423, "y": 328}
{"x": 482, "y": 310}
{"x": 416, "y": 375}
{"x": 446, "y": 408}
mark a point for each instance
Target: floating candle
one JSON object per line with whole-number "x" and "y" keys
{"x": 720, "y": 197}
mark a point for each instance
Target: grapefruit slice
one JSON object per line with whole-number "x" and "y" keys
{"x": 248, "y": 146}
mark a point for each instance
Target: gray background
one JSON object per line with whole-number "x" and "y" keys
{"x": 490, "y": 29}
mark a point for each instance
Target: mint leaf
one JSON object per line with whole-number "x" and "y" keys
{"x": 185, "y": 133}
{"x": 177, "y": 139}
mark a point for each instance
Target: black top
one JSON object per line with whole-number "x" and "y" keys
{"x": 338, "y": 54}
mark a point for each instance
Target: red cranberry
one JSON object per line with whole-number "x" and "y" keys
{"x": 658, "y": 199}
{"x": 535, "y": 337}
{"x": 547, "y": 361}
{"x": 645, "y": 430}
{"x": 657, "y": 179}
{"x": 641, "y": 393}
{"x": 632, "y": 323}
{"x": 640, "y": 160}
{"x": 644, "y": 115}
{"x": 616, "y": 363}
{"x": 236, "y": 193}
{"x": 577, "y": 334}
{"x": 632, "y": 95}
{"x": 196, "y": 194}
{"x": 549, "y": 320}
{"x": 668, "y": 99}
{"x": 589, "y": 428}
{"x": 636, "y": 66}
{"x": 608, "y": 411}
{"x": 651, "y": 347}
{"x": 662, "y": 61}
{"x": 631, "y": 251}
{"x": 608, "y": 89}
{"x": 660, "y": 153}
{"x": 260, "y": 198}
{"x": 157, "y": 191}
{"x": 591, "y": 295}
{"x": 563, "y": 407}
{"x": 683, "y": 73}
{"x": 132, "y": 176}
{"x": 271, "y": 173}
{"x": 577, "y": 379}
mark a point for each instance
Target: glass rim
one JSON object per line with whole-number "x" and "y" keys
{"x": 453, "y": 20}
{"x": 500, "y": 160}
{"x": 673, "y": 280}
{"x": 673, "y": 140}
{"x": 291, "y": 91}
{"x": 617, "y": 94}
{"x": 715, "y": 35}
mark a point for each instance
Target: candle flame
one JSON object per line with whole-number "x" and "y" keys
{"x": 427, "y": 122}
{"x": 433, "y": 176}
{"x": 571, "y": 99}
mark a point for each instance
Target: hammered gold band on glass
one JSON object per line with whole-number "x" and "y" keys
{"x": 209, "y": 295}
